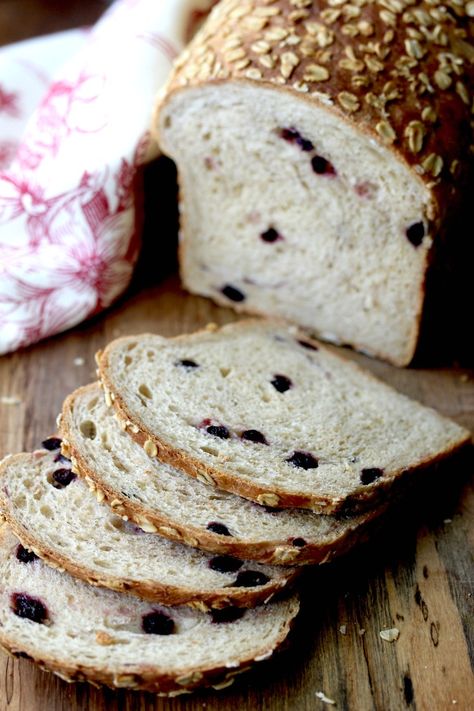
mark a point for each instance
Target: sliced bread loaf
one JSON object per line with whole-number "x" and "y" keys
{"x": 261, "y": 411}
{"x": 162, "y": 499}
{"x": 322, "y": 148}
{"x": 52, "y": 512}
{"x": 83, "y": 633}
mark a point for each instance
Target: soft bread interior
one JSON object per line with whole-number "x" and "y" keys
{"x": 101, "y": 632}
{"x": 300, "y": 213}
{"x": 95, "y": 542}
{"x": 124, "y": 467}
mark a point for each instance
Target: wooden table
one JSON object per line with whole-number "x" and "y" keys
{"x": 417, "y": 576}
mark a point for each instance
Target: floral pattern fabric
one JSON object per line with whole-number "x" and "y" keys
{"x": 72, "y": 144}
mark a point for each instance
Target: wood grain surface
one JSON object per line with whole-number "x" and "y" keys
{"x": 416, "y": 575}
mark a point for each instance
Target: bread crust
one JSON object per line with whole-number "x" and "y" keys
{"x": 382, "y": 67}
{"x": 148, "y": 590}
{"x": 275, "y": 552}
{"x": 364, "y": 498}
{"x": 145, "y": 677}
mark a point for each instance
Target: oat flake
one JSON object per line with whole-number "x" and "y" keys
{"x": 390, "y": 635}
{"x": 325, "y": 699}
{"x": 10, "y": 400}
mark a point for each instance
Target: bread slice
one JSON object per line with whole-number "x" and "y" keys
{"x": 321, "y": 152}
{"x": 83, "y": 633}
{"x": 267, "y": 414}
{"x": 53, "y": 512}
{"x": 161, "y": 498}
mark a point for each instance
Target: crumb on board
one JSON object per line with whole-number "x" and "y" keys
{"x": 325, "y": 699}
{"x": 343, "y": 629}
{"x": 361, "y": 631}
{"x": 390, "y": 635}
{"x": 78, "y": 361}
{"x": 10, "y": 400}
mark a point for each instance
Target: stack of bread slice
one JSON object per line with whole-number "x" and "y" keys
{"x": 155, "y": 544}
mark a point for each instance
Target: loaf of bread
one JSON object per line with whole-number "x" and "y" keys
{"x": 259, "y": 410}
{"x": 162, "y": 499}
{"x": 322, "y": 146}
{"x": 54, "y": 514}
{"x": 84, "y": 633}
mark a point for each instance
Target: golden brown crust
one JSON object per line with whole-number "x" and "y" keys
{"x": 362, "y": 499}
{"x": 145, "y": 679}
{"x": 275, "y": 552}
{"x": 148, "y": 590}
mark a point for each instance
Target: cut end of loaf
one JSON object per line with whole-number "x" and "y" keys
{"x": 289, "y": 210}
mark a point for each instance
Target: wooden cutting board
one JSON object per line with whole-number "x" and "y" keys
{"x": 416, "y": 577}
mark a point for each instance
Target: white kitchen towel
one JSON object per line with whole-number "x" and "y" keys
{"x": 75, "y": 111}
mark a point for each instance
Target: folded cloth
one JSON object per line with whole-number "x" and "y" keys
{"x": 70, "y": 174}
